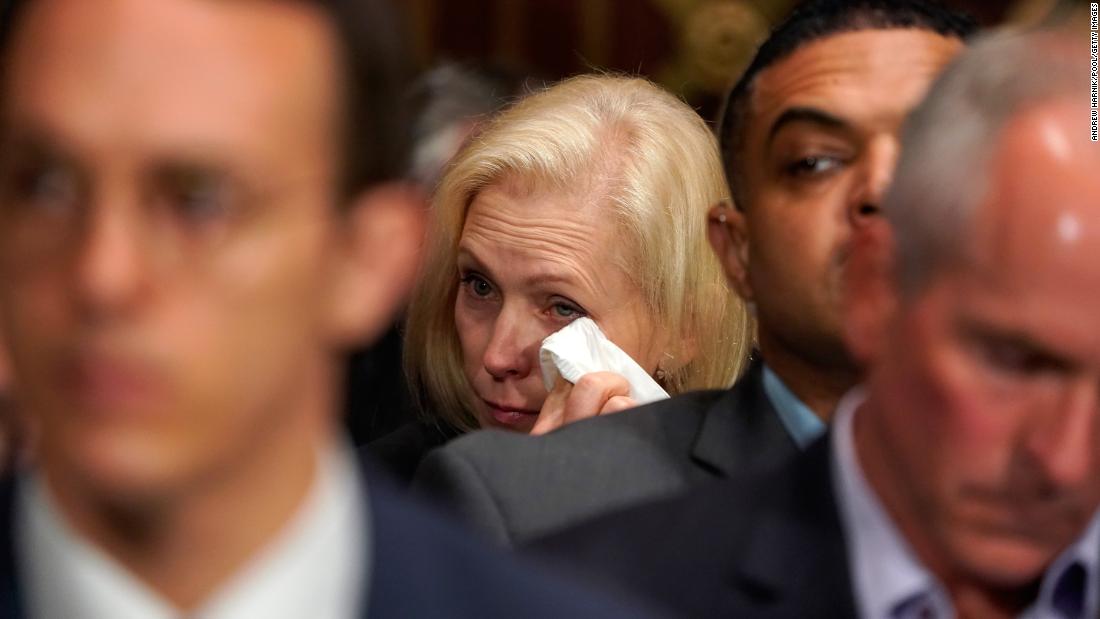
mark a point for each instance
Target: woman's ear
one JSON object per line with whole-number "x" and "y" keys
{"x": 378, "y": 262}
{"x": 728, "y": 236}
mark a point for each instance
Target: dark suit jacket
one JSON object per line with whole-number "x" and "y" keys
{"x": 760, "y": 546}
{"x": 515, "y": 487}
{"x": 400, "y": 452}
{"x": 420, "y": 567}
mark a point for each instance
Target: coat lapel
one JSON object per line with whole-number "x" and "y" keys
{"x": 795, "y": 563}
{"x": 741, "y": 431}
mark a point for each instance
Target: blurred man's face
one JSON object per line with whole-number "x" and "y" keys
{"x": 983, "y": 427}
{"x": 166, "y": 225}
{"x": 820, "y": 147}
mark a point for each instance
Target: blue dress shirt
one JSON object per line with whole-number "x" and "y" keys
{"x": 801, "y": 423}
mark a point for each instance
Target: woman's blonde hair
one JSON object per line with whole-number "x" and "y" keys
{"x": 657, "y": 162}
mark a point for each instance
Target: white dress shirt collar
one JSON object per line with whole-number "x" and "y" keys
{"x": 316, "y": 567}
{"x": 885, "y": 570}
{"x": 886, "y": 573}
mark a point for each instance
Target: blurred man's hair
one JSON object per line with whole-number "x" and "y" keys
{"x": 447, "y": 98}
{"x": 812, "y": 21}
{"x": 375, "y": 69}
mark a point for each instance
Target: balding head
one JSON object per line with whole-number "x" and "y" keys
{"x": 981, "y": 430}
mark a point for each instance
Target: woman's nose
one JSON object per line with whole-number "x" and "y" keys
{"x": 513, "y": 347}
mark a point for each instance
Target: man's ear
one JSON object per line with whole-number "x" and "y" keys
{"x": 380, "y": 257}
{"x": 728, "y": 235}
{"x": 870, "y": 292}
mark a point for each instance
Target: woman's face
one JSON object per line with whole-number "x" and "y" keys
{"x": 529, "y": 263}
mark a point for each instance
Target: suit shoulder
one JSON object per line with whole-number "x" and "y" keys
{"x": 672, "y": 420}
{"x": 513, "y": 487}
{"x": 682, "y": 550}
{"x": 799, "y": 490}
{"x": 690, "y": 520}
{"x": 412, "y": 546}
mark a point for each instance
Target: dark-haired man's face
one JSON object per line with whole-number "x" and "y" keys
{"x": 820, "y": 147}
{"x": 167, "y": 233}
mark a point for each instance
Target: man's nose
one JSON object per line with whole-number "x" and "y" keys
{"x": 513, "y": 346}
{"x": 875, "y": 172}
{"x": 1061, "y": 442}
{"x": 112, "y": 259}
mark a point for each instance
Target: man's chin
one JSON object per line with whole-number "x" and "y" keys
{"x": 122, "y": 470}
{"x": 1000, "y": 561}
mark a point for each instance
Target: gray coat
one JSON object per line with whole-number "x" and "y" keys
{"x": 515, "y": 487}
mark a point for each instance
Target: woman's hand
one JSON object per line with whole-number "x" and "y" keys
{"x": 598, "y": 393}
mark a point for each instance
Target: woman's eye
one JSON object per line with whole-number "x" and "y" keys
{"x": 477, "y": 285}
{"x": 566, "y": 311}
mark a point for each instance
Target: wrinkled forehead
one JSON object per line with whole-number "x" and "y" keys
{"x": 1036, "y": 235}
{"x": 529, "y": 204}
{"x": 1042, "y": 205}
{"x": 872, "y": 75}
{"x": 174, "y": 74}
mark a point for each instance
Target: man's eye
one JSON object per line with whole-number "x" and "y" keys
{"x": 1016, "y": 359}
{"x": 48, "y": 187}
{"x": 477, "y": 285}
{"x": 1004, "y": 356}
{"x": 198, "y": 198}
{"x": 812, "y": 166}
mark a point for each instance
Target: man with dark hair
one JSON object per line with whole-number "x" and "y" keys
{"x": 811, "y": 21}
{"x": 808, "y": 136}
{"x": 810, "y": 143}
{"x": 194, "y": 221}
{"x": 963, "y": 478}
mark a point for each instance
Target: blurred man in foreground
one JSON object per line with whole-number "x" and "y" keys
{"x": 809, "y": 142}
{"x": 193, "y": 222}
{"x": 964, "y": 479}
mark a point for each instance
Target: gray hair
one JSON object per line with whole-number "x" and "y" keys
{"x": 949, "y": 140}
{"x": 446, "y": 98}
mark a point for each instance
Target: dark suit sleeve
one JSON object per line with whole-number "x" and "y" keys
{"x": 447, "y": 477}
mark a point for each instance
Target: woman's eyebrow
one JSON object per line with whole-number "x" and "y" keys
{"x": 542, "y": 279}
{"x": 465, "y": 254}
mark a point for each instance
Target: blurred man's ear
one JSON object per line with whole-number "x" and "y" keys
{"x": 870, "y": 293}
{"x": 381, "y": 257}
{"x": 726, "y": 230}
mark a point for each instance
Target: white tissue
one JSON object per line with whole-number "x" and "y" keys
{"x": 581, "y": 348}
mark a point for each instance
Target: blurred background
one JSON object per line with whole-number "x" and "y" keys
{"x": 692, "y": 47}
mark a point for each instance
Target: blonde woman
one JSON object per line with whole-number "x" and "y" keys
{"x": 586, "y": 199}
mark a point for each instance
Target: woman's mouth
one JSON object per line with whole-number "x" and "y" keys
{"x": 510, "y": 417}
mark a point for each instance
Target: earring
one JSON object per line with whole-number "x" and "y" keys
{"x": 661, "y": 374}
{"x": 722, "y": 213}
